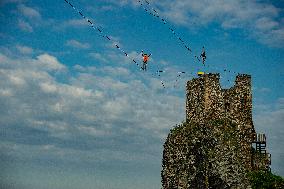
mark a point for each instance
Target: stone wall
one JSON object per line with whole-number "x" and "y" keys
{"x": 206, "y": 101}
{"x": 204, "y": 156}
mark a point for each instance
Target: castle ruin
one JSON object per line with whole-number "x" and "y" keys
{"x": 206, "y": 101}
{"x": 217, "y": 145}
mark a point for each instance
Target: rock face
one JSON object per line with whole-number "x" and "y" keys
{"x": 204, "y": 156}
{"x": 213, "y": 148}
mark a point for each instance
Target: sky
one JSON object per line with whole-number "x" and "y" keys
{"x": 75, "y": 112}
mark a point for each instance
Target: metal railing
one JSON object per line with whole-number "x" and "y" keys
{"x": 258, "y": 138}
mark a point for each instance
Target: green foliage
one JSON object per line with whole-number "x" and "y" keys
{"x": 265, "y": 180}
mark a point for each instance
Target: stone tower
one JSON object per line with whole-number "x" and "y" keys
{"x": 217, "y": 145}
{"x": 206, "y": 100}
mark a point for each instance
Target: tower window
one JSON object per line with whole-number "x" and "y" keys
{"x": 227, "y": 105}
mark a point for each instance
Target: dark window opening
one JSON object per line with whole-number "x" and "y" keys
{"x": 227, "y": 106}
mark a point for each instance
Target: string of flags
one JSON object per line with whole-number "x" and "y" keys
{"x": 178, "y": 76}
{"x": 100, "y": 31}
{"x": 154, "y": 13}
{"x": 92, "y": 24}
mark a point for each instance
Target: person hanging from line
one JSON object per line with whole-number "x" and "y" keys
{"x": 203, "y": 56}
{"x": 145, "y": 60}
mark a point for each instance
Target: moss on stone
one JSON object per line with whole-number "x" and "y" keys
{"x": 265, "y": 180}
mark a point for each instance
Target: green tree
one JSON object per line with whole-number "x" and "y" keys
{"x": 265, "y": 180}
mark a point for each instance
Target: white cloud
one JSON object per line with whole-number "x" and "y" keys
{"x": 76, "y": 22}
{"x": 3, "y": 59}
{"x": 50, "y": 62}
{"x": 98, "y": 57}
{"x": 25, "y": 26}
{"x": 117, "y": 107}
{"x": 261, "y": 20}
{"x": 24, "y": 49}
{"x": 48, "y": 88}
{"x": 29, "y": 12}
{"x": 107, "y": 8}
{"x": 92, "y": 131}
{"x": 93, "y": 103}
{"x": 266, "y": 24}
{"x": 118, "y": 71}
{"x": 15, "y": 80}
{"x": 5, "y": 92}
{"x": 91, "y": 116}
{"x": 280, "y": 103}
{"x": 77, "y": 44}
{"x": 75, "y": 92}
{"x": 121, "y": 3}
{"x": 109, "y": 104}
{"x": 269, "y": 120}
{"x": 72, "y": 23}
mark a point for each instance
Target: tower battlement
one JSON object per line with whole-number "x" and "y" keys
{"x": 206, "y": 100}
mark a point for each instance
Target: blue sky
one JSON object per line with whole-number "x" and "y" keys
{"x": 76, "y": 113}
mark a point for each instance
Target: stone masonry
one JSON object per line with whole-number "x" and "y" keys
{"x": 217, "y": 145}
{"x": 206, "y": 101}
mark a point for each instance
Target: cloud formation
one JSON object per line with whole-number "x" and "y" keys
{"x": 29, "y": 12}
{"x": 49, "y": 62}
{"x": 122, "y": 111}
{"x": 25, "y": 26}
{"x": 24, "y": 49}
{"x": 261, "y": 20}
{"x": 269, "y": 120}
{"x": 72, "y": 23}
{"x": 77, "y": 44}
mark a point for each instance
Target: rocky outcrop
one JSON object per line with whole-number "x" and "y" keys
{"x": 204, "y": 156}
